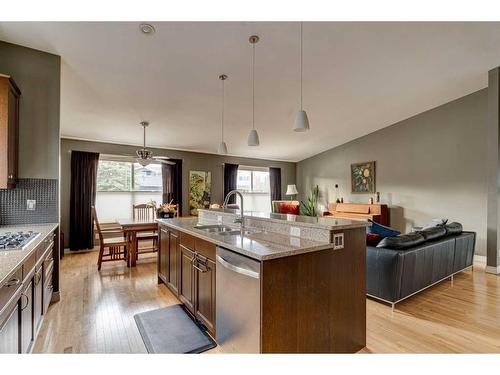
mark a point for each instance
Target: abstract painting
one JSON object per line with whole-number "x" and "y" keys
{"x": 199, "y": 190}
{"x": 363, "y": 177}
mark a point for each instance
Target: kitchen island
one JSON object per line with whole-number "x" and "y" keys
{"x": 282, "y": 284}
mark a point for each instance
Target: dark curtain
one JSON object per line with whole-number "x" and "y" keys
{"x": 230, "y": 180}
{"x": 275, "y": 181}
{"x": 83, "y": 190}
{"x": 172, "y": 183}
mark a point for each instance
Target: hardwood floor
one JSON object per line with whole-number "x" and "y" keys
{"x": 95, "y": 314}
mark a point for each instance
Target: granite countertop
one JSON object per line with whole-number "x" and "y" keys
{"x": 323, "y": 222}
{"x": 12, "y": 259}
{"x": 254, "y": 243}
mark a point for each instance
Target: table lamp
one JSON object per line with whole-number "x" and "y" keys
{"x": 291, "y": 190}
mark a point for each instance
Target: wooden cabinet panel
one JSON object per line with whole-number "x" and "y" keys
{"x": 48, "y": 288}
{"x": 37, "y": 299}
{"x": 9, "y": 331}
{"x": 186, "y": 278}
{"x": 164, "y": 246}
{"x": 27, "y": 331}
{"x": 173, "y": 263}
{"x": 205, "y": 248}
{"x": 205, "y": 292}
{"x": 9, "y": 131}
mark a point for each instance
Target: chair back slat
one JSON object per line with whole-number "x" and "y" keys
{"x": 144, "y": 212}
{"x": 96, "y": 222}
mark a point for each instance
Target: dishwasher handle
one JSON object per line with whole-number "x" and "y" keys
{"x": 241, "y": 270}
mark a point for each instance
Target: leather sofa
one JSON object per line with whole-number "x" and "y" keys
{"x": 393, "y": 275}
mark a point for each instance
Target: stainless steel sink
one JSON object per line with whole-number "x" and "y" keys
{"x": 216, "y": 228}
{"x": 222, "y": 230}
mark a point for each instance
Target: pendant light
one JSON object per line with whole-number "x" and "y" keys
{"x": 253, "y": 137}
{"x": 222, "y": 144}
{"x": 301, "y": 121}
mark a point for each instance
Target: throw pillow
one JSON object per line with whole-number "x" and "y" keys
{"x": 372, "y": 239}
{"x": 453, "y": 228}
{"x": 289, "y": 208}
{"x": 405, "y": 241}
{"x": 433, "y": 233}
{"x": 382, "y": 230}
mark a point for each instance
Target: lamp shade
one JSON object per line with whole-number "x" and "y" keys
{"x": 291, "y": 190}
{"x": 222, "y": 148}
{"x": 253, "y": 138}
{"x": 301, "y": 122}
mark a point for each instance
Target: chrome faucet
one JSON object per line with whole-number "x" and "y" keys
{"x": 241, "y": 219}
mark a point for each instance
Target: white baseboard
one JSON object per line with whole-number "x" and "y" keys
{"x": 492, "y": 269}
{"x": 480, "y": 258}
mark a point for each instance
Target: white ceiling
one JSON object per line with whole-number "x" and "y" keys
{"x": 358, "y": 78}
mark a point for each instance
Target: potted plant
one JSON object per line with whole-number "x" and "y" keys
{"x": 166, "y": 211}
{"x": 308, "y": 207}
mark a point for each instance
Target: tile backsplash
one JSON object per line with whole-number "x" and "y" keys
{"x": 13, "y": 209}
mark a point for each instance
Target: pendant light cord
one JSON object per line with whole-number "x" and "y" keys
{"x": 253, "y": 86}
{"x": 223, "y": 97}
{"x": 301, "y": 37}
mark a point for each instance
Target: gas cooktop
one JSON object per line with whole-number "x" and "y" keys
{"x": 16, "y": 240}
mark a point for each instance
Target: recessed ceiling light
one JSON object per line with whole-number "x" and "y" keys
{"x": 147, "y": 29}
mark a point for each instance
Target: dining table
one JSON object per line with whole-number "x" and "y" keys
{"x": 131, "y": 227}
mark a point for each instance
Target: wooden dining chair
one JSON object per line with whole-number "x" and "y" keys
{"x": 145, "y": 212}
{"x": 112, "y": 244}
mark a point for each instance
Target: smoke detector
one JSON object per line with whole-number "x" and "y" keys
{"x": 147, "y": 28}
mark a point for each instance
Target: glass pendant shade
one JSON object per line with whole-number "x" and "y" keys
{"x": 222, "y": 148}
{"x": 301, "y": 122}
{"x": 253, "y": 138}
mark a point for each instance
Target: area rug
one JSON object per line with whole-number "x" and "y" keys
{"x": 172, "y": 330}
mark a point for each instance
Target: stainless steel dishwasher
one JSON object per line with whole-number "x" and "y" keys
{"x": 238, "y": 302}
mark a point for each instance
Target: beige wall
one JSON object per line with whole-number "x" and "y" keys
{"x": 431, "y": 165}
{"x": 38, "y": 76}
{"x": 191, "y": 161}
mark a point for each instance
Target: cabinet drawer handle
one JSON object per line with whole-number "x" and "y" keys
{"x": 27, "y": 301}
{"x": 12, "y": 282}
{"x": 199, "y": 269}
{"x": 38, "y": 277}
{"x": 10, "y": 176}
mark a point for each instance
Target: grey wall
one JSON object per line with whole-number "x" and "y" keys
{"x": 38, "y": 75}
{"x": 191, "y": 161}
{"x": 431, "y": 165}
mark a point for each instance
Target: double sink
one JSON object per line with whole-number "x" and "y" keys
{"x": 222, "y": 230}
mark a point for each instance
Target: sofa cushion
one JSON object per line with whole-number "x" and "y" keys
{"x": 372, "y": 239}
{"x": 382, "y": 230}
{"x": 289, "y": 208}
{"x": 402, "y": 242}
{"x": 453, "y": 228}
{"x": 433, "y": 233}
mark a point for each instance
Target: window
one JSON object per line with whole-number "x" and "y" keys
{"x": 128, "y": 176}
{"x": 122, "y": 184}
{"x": 253, "y": 182}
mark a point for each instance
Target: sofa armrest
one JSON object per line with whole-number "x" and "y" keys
{"x": 383, "y": 273}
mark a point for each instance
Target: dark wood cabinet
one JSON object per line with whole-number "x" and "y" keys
{"x": 205, "y": 291}
{"x": 27, "y": 321}
{"x": 37, "y": 298}
{"x": 173, "y": 262}
{"x": 9, "y": 328}
{"x": 190, "y": 261}
{"x": 164, "y": 246}
{"x": 186, "y": 279}
{"x": 26, "y": 295}
{"x": 9, "y": 131}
